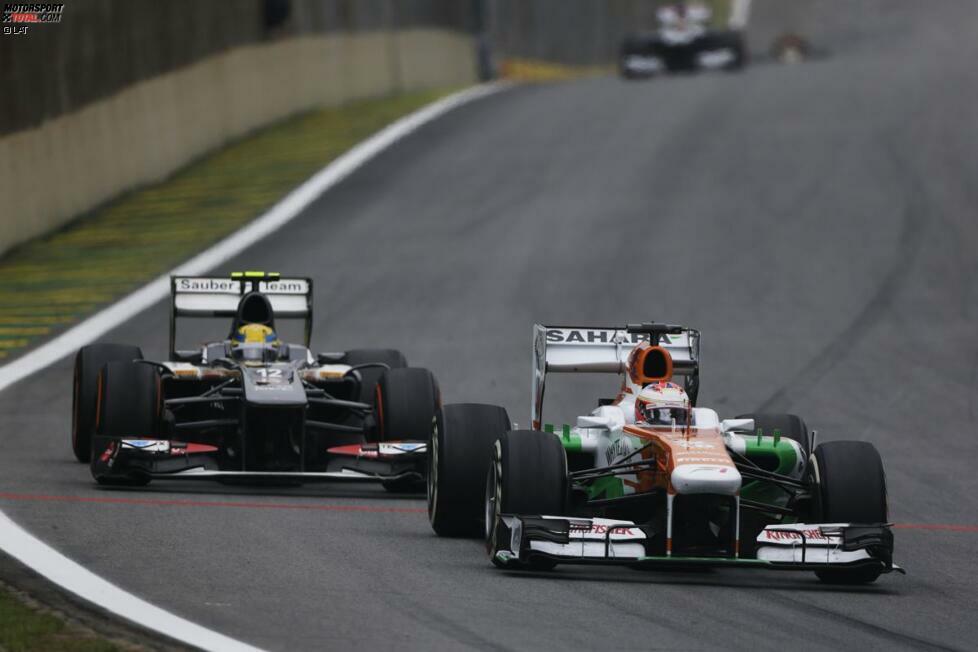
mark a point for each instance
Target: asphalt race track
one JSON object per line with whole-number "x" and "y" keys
{"x": 816, "y": 222}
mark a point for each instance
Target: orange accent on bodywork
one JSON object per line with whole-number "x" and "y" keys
{"x": 378, "y": 401}
{"x": 159, "y": 401}
{"x": 636, "y": 364}
{"x": 98, "y": 402}
{"x": 672, "y": 448}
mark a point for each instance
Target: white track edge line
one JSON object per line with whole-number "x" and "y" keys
{"x": 51, "y": 564}
{"x": 57, "y": 568}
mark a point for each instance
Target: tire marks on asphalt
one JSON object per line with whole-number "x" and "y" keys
{"x": 895, "y": 279}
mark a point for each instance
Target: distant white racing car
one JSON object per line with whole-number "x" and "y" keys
{"x": 683, "y": 43}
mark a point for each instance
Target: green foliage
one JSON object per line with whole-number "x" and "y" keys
{"x": 23, "y": 629}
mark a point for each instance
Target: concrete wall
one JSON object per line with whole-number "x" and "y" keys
{"x": 70, "y": 163}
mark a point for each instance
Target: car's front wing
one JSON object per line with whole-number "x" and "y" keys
{"x": 167, "y": 459}
{"x": 571, "y": 540}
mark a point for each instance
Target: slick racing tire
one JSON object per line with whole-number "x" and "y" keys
{"x": 848, "y": 486}
{"x": 791, "y": 426}
{"x": 527, "y": 476}
{"x": 369, "y": 376}
{"x": 130, "y": 405}
{"x": 84, "y": 396}
{"x": 404, "y": 409}
{"x": 458, "y": 460}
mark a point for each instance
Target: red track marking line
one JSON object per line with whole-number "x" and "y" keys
{"x": 163, "y": 502}
{"x": 114, "y": 500}
{"x": 946, "y": 527}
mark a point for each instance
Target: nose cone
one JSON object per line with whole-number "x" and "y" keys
{"x": 706, "y": 479}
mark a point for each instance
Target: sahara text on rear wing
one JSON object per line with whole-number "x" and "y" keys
{"x": 605, "y": 349}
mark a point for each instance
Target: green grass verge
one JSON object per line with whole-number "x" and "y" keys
{"x": 24, "y": 629}
{"x": 59, "y": 279}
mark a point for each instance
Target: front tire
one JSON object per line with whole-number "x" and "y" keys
{"x": 370, "y": 376}
{"x": 848, "y": 486}
{"x": 84, "y": 397}
{"x": 458, "y": 460}
{"x": 527, "y": 477}
{"x": 404, "y": 407}
{"x": 131, "y": 406}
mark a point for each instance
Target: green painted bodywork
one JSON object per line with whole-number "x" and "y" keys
{"x": 773, "y": 448}
{"x": 571, "y": 443}
{"x": 706, "y": 561}
{"x": 776, "y": 454}
{"x": 570, "y": 440}
{"x": 610, "y": 487}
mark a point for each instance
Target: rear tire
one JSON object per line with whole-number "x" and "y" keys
{"x": 458, "y": 460}
{"x": 369, "y": 376}
{"x": 848, "y": 486}
{"x": 84, "y": 404}
{"x": 527, "y": 477}
{"x": 405, "y": 404}
{"x": 404, "y": 408}
{"x": 130, "y": 407}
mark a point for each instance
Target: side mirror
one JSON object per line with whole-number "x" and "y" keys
{"x": 743, "y": 425}
{"x": 330, "y": 358}
{"x": 593, "y": 421}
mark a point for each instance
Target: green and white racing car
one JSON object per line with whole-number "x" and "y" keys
{"x": 648, "y": 478}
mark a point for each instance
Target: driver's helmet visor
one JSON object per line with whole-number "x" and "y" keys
{"x": 255, "y": 352}
{"x": 665, "y": 416}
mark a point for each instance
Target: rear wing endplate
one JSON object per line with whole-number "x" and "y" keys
{"x": 217, "y": 296}
{"x": 605, "y": 349}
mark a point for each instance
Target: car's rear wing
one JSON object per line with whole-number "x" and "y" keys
{"x": 217, "y": 296}
{"x": 605, "y": 349}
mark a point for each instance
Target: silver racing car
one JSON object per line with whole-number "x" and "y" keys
{"x": 250, "y": 407}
